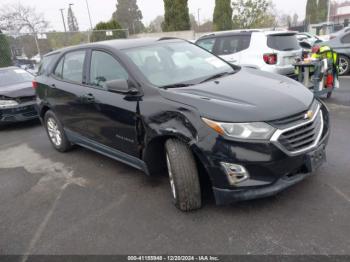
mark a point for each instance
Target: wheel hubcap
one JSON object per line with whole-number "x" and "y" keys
{"x": 171, "y": 177}
{"x": 54, "y": 132}
{"x": 343, "y": 65}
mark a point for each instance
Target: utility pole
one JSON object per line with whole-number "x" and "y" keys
{"x": 329, "y": 11}
{"x": 199, "y": 21}
{"x": 88, "y": 9}
{"x": 64, "y": 23}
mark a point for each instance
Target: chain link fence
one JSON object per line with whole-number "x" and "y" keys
{"x": 26, "y": 50}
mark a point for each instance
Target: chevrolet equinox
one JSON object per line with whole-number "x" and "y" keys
{"x": 167, "y": 105}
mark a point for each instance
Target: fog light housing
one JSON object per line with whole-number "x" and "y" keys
{"x": 235, "y": 173}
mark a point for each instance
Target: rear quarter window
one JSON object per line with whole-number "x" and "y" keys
{"x": 283, "y": 42}
{"x": 44, "y": 66}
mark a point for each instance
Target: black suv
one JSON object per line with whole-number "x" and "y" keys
{"x": 168, "y": 105}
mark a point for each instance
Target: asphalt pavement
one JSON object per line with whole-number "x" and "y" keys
{"x": 84, "y": 203}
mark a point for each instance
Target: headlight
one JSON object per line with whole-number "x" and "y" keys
{"x": 7, "y": 103}
{"x": 252, "y": 131}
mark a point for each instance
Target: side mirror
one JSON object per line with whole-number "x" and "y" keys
{"x": 120, "y": 86}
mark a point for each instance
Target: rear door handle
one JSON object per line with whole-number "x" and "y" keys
{"x": 53, "y": 86}
{"x": 88, "y": 98}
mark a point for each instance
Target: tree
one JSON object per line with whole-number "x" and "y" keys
{"x": 207, "y": 26}
{"x": 129, "y": 16}
{"x": 72, "y": 20}
{"x": 222, "y": 17}
{"x": 176, "y": 16}
{"x": 156, "y": 25}
{"x": 253, "y": 14}
{"x": 22, "y": 19}
{"x": 322, "y": 10}
{"x": 311, "y": 12}
{"x": 295, "y": 19}
{"x": 107, "y": 31}
{"x": 5, "y": 51}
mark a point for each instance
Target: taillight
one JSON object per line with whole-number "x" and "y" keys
{"x": 270, "y": 59}
{"x": 35, "y": 84}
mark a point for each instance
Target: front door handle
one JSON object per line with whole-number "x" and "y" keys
{"x": 88, "y": 99}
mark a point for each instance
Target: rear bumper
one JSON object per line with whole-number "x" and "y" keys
{"x": 20, "y": 113}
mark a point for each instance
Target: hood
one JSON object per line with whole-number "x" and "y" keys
{"x": 17, "y": 90}
{"x": 247, "y": 96}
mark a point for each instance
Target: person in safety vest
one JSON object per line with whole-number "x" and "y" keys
{"x": 328, "y": 66}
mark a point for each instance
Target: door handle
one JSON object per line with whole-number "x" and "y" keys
{"x": 53, "y": 86}
{"x": 88, "y": 98}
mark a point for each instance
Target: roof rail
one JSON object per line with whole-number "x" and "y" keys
{"x": 168, "y": 38}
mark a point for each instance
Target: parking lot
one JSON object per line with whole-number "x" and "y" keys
{"x": 84, "y": 203}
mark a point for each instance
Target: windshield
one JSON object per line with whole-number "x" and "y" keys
{"x": 167, "y": 64}
{"x": 14, "y": 76}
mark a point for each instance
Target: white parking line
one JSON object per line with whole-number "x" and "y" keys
{"x": 344, "y": 77}
{"x": 340, "y": 193}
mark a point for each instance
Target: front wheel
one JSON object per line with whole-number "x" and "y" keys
{"x": 344, "y": 65}
{"x": 183, "y": 176}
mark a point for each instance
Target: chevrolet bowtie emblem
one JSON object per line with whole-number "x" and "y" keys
{"x": 309, "y": 115}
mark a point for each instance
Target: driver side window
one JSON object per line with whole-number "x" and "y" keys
{"x": 104, "y": 68}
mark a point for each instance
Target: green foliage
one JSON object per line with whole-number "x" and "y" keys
{"x": 5, "y": 51}
{"x": 253, "y": 14}
{"x": 108, "y": 31}
{"x": 222, "y": 17}
{"x": 322, "y": 10}
{"x": 129, "y": 16}
{"x": 316, "y": 11}
{"x": 176, "y": 16}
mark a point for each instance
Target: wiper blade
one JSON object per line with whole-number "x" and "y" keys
{"x": 176, "y": 85}
{"x": 217, "y": 76}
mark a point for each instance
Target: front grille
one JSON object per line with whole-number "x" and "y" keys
{"x": 302, "y": 135}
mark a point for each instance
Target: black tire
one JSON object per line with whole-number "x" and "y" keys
{"x": 64, "y": 145}
{"x": 186, "y": 190}
{"x": 344, "y": 65}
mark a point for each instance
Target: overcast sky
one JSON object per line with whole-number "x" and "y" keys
{"x": 101, "y": 10}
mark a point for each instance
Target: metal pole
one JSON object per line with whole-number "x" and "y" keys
{"x": 199, "y": 21}
{"x": 88, "y": 9}
{"x": 329, "y": 11}
{"x": 64, "y": 23}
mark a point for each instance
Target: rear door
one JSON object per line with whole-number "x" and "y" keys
{"x": 111, "y": 118}
{"x": 66, "y": 89}
{"x": 286, "y": 46}
{"x": 231, "y": 47}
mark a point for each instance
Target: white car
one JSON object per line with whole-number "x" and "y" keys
{"x": 272, "y": 51}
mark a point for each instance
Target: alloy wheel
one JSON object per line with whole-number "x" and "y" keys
{"x": 343, "y": 65}
{"x": 54, "y": 132}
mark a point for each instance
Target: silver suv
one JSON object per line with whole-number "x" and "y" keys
{"x": 272, "y": 51}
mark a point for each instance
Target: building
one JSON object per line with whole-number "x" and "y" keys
{"x": 340, "y": 13}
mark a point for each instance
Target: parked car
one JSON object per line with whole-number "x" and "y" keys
{"x": 167, "y": 105}
{"x": 340, "y": 43}
{"x": 309, "y": 38}
{"x": 271, "y": 51}
{"x": 17, "y": 97}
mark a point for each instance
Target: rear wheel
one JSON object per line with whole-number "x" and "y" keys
{"x": 56, "y": 133}
{"x": 183, "y": 176}
{"x": 344, "y": 65}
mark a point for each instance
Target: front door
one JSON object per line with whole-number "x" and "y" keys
{"x": 112, "y": 117}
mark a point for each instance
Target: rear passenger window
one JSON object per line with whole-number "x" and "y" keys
{"x": 104, "y": 68}
{"x": 71, "y": 67}
{"x": 346, "y": 39}
{"x": 232, "y": 44}
{"x": 207, "y": 44}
